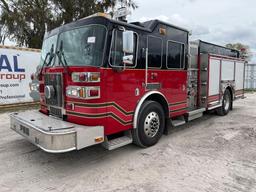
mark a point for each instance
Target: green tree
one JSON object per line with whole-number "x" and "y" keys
{"x": 245, "y": 50}
{"x": 25, "y": 21}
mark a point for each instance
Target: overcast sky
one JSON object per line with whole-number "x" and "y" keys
{"x": 218, "y": 21}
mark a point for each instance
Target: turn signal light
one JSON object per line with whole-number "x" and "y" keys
{"x": 93, "y": 77}
{"x": 94, "y": 93}
{"x": 81, "y": 93}
{"x": 82, "y": 77}
{"x": 99, "y": 139}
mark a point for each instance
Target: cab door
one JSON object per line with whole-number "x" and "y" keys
{"x": 154, "y": 61}
{"x": 176, "y": 80}
{"x": 122, "y": 81}
{"x": 166, "y": 72}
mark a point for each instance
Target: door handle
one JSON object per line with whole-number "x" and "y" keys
{"x": 183, "y": 87}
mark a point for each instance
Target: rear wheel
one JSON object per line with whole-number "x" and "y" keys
{"x": 150, "y": 124}
{"x": 226, "y": 104}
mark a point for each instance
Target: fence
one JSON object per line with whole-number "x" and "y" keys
{"x": 250, "y": 76}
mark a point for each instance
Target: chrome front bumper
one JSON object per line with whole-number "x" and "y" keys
{"x": 54, "y": 135}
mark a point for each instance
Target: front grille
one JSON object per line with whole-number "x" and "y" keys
{"x": 55, "y": 112}
{"x": 55, "y": 80}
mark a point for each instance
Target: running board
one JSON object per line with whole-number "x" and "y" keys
{"x": 118, "y": 142}
{"x": 178, "y": 122}
{"x": 195, "y": 114}
{"x": 214, "y": 107}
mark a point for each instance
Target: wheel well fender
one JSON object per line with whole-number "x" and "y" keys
{"x": 154, "y": 96}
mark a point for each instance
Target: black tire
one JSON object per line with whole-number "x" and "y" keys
{"x": 226, "y": 104}
{"x": 150, "y": 130}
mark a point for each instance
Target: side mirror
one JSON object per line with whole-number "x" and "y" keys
{"x": 128, "y": 41}
{"x": 128, "y": 60}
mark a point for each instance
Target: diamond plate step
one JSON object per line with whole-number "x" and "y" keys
{"x": 118, "y": 142}
{"x": 177, "y": 123}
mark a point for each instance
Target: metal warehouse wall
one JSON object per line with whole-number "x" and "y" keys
{"x": 250, "y": 76}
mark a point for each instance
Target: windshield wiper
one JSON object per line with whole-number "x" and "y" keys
{"x": 60, "y": 54}
{"x": 50, "y": 53}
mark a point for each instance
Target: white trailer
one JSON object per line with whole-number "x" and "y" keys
{"x": 16, "y": 66}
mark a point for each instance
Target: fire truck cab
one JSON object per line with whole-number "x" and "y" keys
{"x": 111, "y": 82}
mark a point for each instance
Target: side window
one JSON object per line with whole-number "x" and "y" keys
{"x": 175, "y": 55}
{"x": 154, "y": 52}
{"x": 116, "y": 52}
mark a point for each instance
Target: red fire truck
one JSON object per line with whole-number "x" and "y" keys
{"x": 115, "y": 83}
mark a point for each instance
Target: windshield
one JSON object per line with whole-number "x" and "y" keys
{"x": 48, "y": 44}
{"x": 82, "y": 46}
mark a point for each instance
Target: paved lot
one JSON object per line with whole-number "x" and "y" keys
{"x": 210, "y": 154}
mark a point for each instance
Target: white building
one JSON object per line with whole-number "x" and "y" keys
{"x": 250, "y": 76}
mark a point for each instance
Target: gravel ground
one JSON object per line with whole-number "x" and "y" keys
{"x": 209, "y": 154}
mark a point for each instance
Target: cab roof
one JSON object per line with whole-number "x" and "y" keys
{"x": 147, "y": 26}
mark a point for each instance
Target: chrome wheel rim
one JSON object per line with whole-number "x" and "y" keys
{"x": 226, "y": 102}
{"x": 151, "y": 124}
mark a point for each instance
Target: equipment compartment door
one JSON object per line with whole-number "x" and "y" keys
{"x": 239, "y": 78}
{"x": 214, "y": 81}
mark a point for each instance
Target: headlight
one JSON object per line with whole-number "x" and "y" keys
{"x": 83, "y": 92}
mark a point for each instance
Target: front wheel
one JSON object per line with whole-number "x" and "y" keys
{"x": 226, "y": 104}
{"x": 151, "y": 122}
